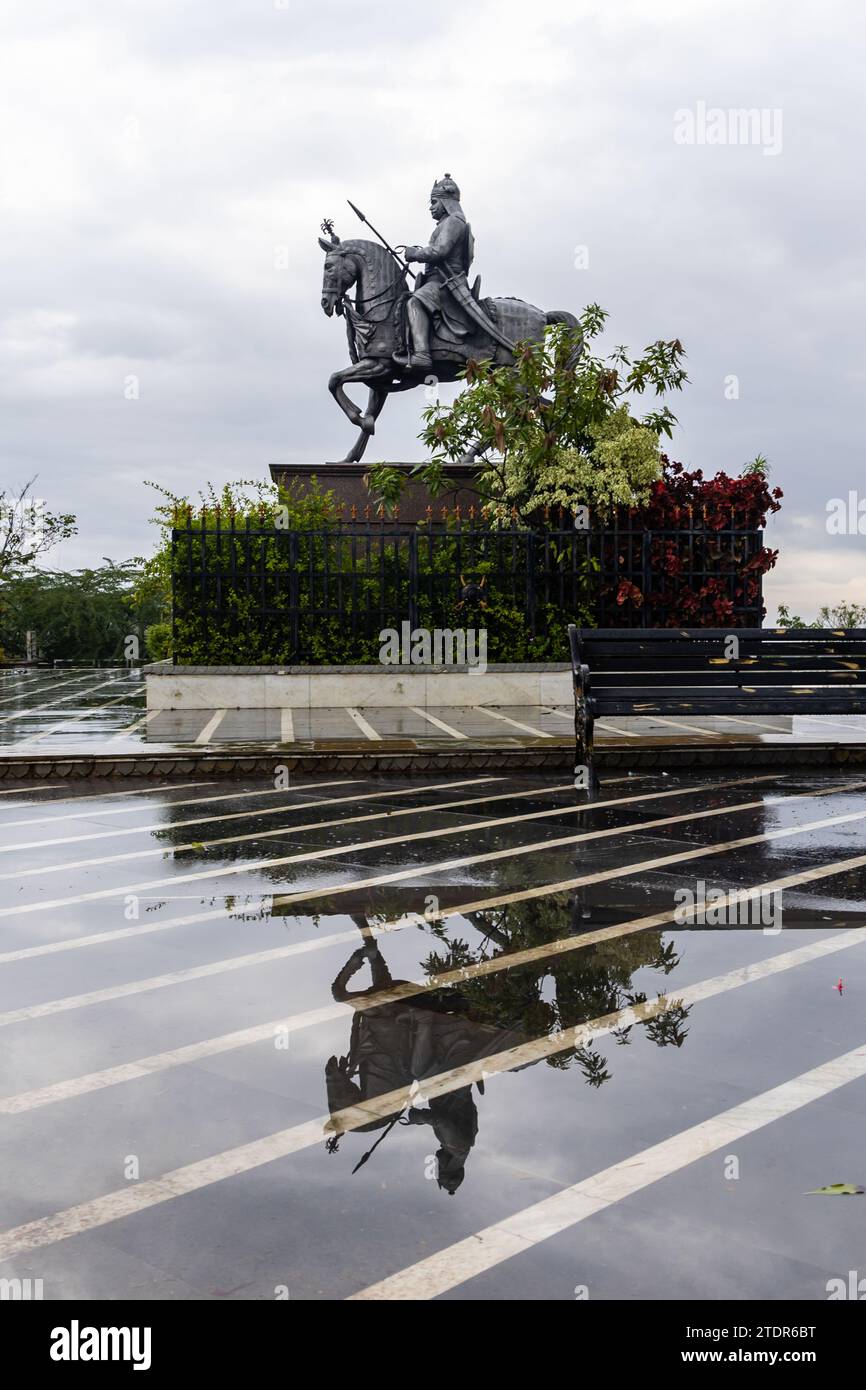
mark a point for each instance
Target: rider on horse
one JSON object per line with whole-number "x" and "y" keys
{"x": 442, "y": 296}
{"x": 445, "y": 322}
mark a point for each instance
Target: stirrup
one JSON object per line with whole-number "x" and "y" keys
{"x": 415, "y": 361}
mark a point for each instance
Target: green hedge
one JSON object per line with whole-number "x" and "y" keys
{"x": 249, "y": 596}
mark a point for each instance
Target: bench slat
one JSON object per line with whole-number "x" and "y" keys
{"x": 718, "y": 634}
{"x": 725, "y": 680}
{"x": 600, "y": 652}
{"x": 719, "y": 664}
{"x": 786, "y": 703}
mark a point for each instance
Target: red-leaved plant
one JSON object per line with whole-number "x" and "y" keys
{"x": 702, "y": 565}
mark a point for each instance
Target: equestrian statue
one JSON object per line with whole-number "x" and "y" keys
{"x": 401, "y": 337}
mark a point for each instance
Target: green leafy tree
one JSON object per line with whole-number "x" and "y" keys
{"x": 28, "y": 529}
{"x": 81, "y": 616}
{"x": 841, "y": 615}
{"x": 558, "y": 429}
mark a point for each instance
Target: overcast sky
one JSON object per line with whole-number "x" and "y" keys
{"x": 155, "y": 158}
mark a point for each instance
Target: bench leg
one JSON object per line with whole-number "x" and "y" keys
{"x": 585, "y": 778}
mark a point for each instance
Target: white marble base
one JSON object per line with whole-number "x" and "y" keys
{"x": 363, "y": 687}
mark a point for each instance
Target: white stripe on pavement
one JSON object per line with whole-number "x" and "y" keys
{"x": 27, "y": 791}
{"x": 49, "y": 689}
{"x": 221, "y": 967}
{"x": 137, "y": 724}
{"x": 689, "y": 728}
{"x": 228, "y": 1042}
{"x": 156, "y": 789}
{"x": 738, "y": 719}
{"x": 741, "y": 719}
{"x": 210, "y": 728}
{"x": 65, "y": 724}
{"x": 162, "y": 827}
{"x": 825, "y": 720}
{"x": 361, "y": 846}
{"x": 603, "y": 724}
{"x": 515, "y": 723}
{"x": 38, "y": 709}
{"x": 196, "y": 846}
{"x": 260, "y": 813}
{"x": 366, "y": 729}
{"x": 440, "y": 723}
{"x": 244, "y": 1158}
{"x": 485, "y": 1249}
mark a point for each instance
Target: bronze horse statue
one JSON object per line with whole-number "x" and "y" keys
{"x": 376, "y": 329}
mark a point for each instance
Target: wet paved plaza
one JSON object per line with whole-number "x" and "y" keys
{"x": 464, "y": 1037}
{"x": 60, "y": 713}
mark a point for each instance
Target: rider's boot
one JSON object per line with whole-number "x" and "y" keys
{"x": 418, "y": 359}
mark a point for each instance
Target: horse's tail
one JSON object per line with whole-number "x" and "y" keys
{"x": 563, "y": 316}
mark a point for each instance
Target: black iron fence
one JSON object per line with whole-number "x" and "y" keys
{"x": 252, "y": 593}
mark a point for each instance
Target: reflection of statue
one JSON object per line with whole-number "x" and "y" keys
{"x": 398, "y": 1044}
{"x": 454, "y": 1120}
{"x": 393, "y": 1045}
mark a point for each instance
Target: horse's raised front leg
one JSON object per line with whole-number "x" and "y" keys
{"x": 367, "y": 370}
{"x": 375, "y": 401}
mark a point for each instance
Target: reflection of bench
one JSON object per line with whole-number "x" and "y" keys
{"x": 689, "y": 671}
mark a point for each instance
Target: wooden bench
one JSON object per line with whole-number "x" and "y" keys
{"x": 689, "y": 671}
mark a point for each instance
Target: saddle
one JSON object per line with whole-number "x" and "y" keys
{"x": 476, "y": 344}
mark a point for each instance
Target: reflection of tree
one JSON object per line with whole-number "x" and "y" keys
{"x": 666, "y": 1028}
{"x": 562, "y": 990}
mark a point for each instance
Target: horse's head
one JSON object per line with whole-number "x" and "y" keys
{"x": 364, "y": 262}
{"x": 339, "y": 275}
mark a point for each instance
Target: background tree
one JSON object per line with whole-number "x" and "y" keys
{"x": 28, "y": 529}
{"x": 83, "y": 616}
{"x": 841, "y": 615}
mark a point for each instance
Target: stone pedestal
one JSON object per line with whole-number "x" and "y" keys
{"x": 346, "y": 481}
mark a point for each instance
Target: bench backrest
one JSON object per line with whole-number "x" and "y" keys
{"x": 724, "y": 666}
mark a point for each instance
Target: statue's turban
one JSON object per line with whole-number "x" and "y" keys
{"x": 446, "y": 188}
